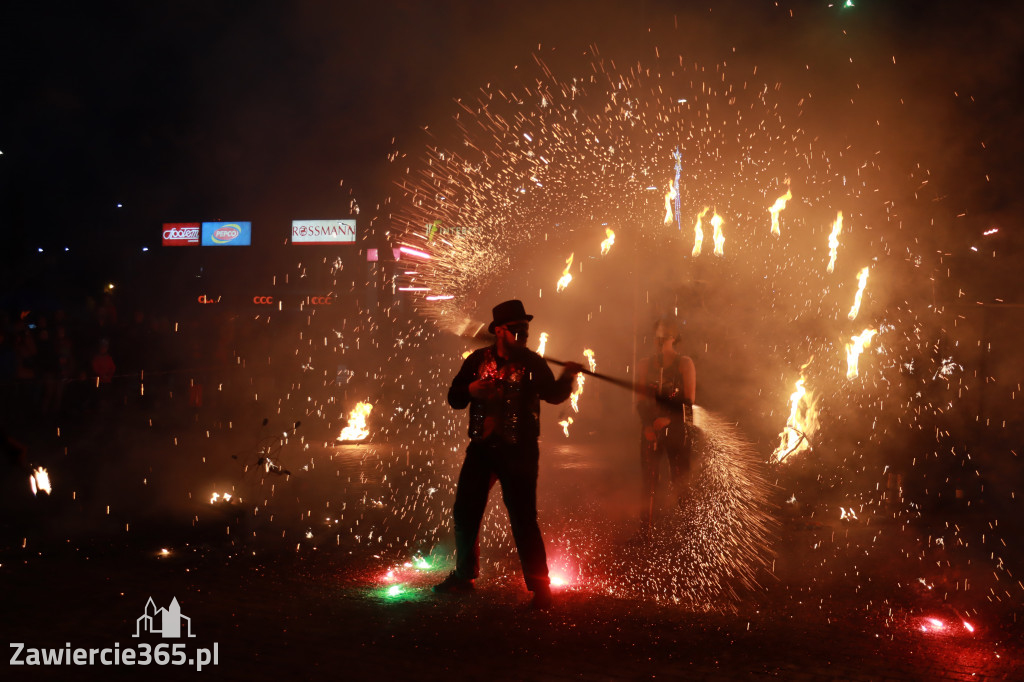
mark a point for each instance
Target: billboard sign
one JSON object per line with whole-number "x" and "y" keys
{"x": 181, "y": 234}
{"x": 323, "y": 231}
{"x": 227, "y": 234}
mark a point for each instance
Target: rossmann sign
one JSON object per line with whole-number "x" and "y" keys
{"x": 323, "y": 231}
{"x": 227, "y": 234}
{"x": 181, "y": 234}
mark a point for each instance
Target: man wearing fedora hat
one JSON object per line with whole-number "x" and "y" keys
{"x": 503, "y": 385}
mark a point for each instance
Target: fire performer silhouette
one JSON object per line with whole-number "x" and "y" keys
{"x": 503, "y": 385}
{"x": 666, "y": 386}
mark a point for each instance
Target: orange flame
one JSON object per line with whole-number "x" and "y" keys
{"x": 40, "y": 480}
{"x": 698, "y": 231}
{"x": 606, "y": 245}
{"x": 670, "y": 196}
{"x": 801, "y": 425}
{"x": 590, "y": 358}
{"x": 853, "y": 350}
{"x": 565, "y": 423}
{"x": 356, "y": 428}
{"x": 543, "y": 343}
{"x": 833, "y": 241}
{"x": 564, "y": 280}
{"x": 777, "y": 207}
{"x": 716, "y": 221}
{"x": 863, "y": 277}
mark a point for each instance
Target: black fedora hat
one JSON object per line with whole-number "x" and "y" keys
{"x": 508, "y": 311}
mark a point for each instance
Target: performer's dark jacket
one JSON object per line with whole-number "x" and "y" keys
{"x": 524, "y": 378}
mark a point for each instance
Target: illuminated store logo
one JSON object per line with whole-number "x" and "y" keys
{"x": 227, "y": 234}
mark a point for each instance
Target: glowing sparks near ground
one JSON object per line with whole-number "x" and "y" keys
{"x": 863, "y": 280}
{"x": 218, "y": 497}
{"x": 565, "y": 424}
{"x": 356, "y": 429}
{"x": 853, "y": 350}
{"x": 564, "y": 280}
{"x": 670, "y": 196}
{"x": 833, "y": 241}
{"x": 543, "y": 344}
{"x": 698, "y": 231}
{"x": 606, "y": 245}
{"x": 779, "y": 204}
{"x": 39, "y": 480}
{"x": 800, "y": 426}
{"x": 719, "y": 237}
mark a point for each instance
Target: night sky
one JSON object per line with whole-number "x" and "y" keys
{"x": 259, "y": 110}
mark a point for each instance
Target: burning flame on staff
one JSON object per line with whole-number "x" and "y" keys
{"x": 606, "y": 245}
{"x": 698, "y": 231}
{"x": 777, "y": 207}
{"x": 801, "y": 425}
{"x": 853, "y": 350}
{"x": 543, "y": 343}
{"x": 564, "y": 280}
{"x": 590, "y": 359}
{"x": 833, "y": 241}
{"x": 863, "y": 277}
{"x": 565, "y": 423}
{"x": 356, "y": 429}
{"x": 574, "y": 398}
{"x": 40, "y": 480}
{"x": 670, "y": 196}
{"x": 716, "y": 221}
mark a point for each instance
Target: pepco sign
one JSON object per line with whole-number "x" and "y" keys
{"x": 227, "y": 234}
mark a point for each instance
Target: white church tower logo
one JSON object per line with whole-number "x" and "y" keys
{"x": 165, "y": 622}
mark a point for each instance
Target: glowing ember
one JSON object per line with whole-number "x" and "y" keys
{"x": 543, "y": 344}
{"x": 565, "y": 424}
{"x": 226, "y": 497}
{"x": 606, "y": 245}
{"x": 564, "y": 280}
{"x": 670, "y": 196}
{"x": 698, "y": 231}
{"x": 853, "y": 350}
{"x": 356, "y": 429}
{"x": 776, "y": 208}
{"x": 716, "y": 221}
{"x": 40, "y": 480}
{"x": 801, "y": 425}
{"x": 863, "y": 277}
{"x": 833, "y": 241}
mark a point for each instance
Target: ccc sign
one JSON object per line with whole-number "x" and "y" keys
{"x": 263, "y": 300}
{"x": 321, "y": 300}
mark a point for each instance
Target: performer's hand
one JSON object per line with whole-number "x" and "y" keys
{"x": 571, "y": 369}
{"x": 483, "y": 389}
{"x": 661, "y": 422}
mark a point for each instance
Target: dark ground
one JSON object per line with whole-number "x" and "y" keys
{"x": 847, "y": 601}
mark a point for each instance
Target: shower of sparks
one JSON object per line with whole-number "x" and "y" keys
{"x": 698, "y": 231}
{"x": 777, "y": 207}
{"x": 719, "y": 237}
{"x": 39, "y": 480}
{"x": 564, "y": 280}
{"x": 543, "y": 344}
{"x": 854, "y": 349}
{"x": 833, "y": 241}
{"x": 606, "y": 245}
{"x": 356, "y": 429}
{"x": 862, "y": 278}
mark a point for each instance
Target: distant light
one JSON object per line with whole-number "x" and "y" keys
{"x": 40, "y": 249}
{"x": 144, "y": 249}
{"x": 119, "y": 205}
{"x": 66, "y": 248}
{"x": 110, "y": 286}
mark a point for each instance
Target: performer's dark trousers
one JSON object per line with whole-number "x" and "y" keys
{"x": 675, "y": 443}
{"x": 515, "y": 466}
